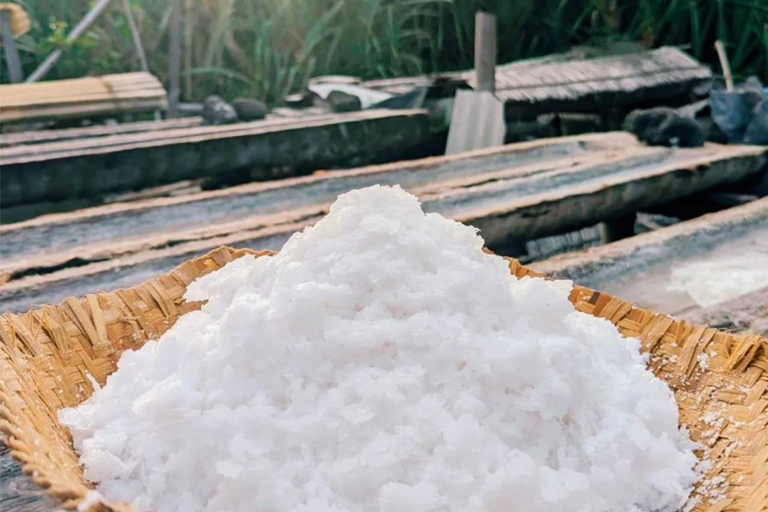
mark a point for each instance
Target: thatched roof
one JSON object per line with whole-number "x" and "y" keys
{"x": 579, "y": 81}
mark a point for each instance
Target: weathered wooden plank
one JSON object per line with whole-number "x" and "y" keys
{"x": 643, "y": 267}
{"x": 65, "y": 134}
{"x": 583, "y": 80}
{"x": 89, "y": 95}
{"x": 56, "y": 149}
{"x": 289, "y": 204}
{"x": 512, "y": 209}
{"x": 74, "y": 230}
{"x": 746, "y": 313}
{"x": 345, "y": 140}
{"x": 588, "y": 203}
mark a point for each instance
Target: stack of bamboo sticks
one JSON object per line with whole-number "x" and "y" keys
{"x": 108, "y": 94}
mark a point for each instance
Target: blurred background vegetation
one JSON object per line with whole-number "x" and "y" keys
{"x": 268, "y": 48}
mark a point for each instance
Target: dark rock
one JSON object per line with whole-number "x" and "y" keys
{"x": 216, "y": 111}
{"x": 343, "y": 102}
{"x": 664, "y": 126}
{"x": 733, "y": 110}
{"x": 249, "y": 109}
{"x": 757, "y": 130}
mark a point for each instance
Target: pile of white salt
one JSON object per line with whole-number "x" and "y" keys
{"x": 383, "y": 362}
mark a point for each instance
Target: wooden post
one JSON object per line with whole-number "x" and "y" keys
{"x": 187, "y": 48}
{"x": 485, "y": 52}
{"x": 174, "y": 59}
{"x": 135, "y": 35}
{"x": 11, "y": 52}
{"x": 725, "y": 65}
{"x": 81, "y": 27}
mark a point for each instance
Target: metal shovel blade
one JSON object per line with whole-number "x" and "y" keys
{"x": 477, "y": 121}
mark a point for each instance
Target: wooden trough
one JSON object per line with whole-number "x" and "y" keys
{"x": 61, "y": 134}
{"x": 85, "y": 168}
{"x": 48, "y": 355}
{"x": 514, "y": 193}
{"x": 581, "y": 81}
{"x": 651, "y": 269}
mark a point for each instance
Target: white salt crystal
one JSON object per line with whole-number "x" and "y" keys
{"x": 383, "y": 362}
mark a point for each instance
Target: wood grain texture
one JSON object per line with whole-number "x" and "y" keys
{"x": 69, "y": 169}
{"x": 542, "y": 197}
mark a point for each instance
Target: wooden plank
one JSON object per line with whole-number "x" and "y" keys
{"x": 174, "y": 134}
{"x": 346, "y": 139}
{"x": 583, "y": 80}
{"x": 141, "y": 219}
{"x": 747, "y": 313}
{"x": 280, "y": 205}
{"x": 587, "y": 203}
{"x": 83, "y": 110}
{"x": 643, "y": 267}
{"x": 82, "y": 96}
{"x": 68, "y": 134}
{"x": 517, "y": 210}
{"x": 104, "y": 92}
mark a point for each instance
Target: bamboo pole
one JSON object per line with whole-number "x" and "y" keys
{"x": 11, "y": 52}
{"x": 188, "y": 27}
{"x": 485, "y": 52}
{"x": 81, "y": 27}
{"x": 174, "y": 59}
{"x": 135, "y": 35}
{"x": 725, "y": 65}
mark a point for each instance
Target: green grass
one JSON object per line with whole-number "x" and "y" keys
{"x": 267, "y": 48}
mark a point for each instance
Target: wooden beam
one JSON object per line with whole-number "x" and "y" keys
{"x": 99, "y": 166}
{"x": 539, "y": 158}
{"x": 662, "y": 246}
{"x": 725, "y": 65}
{"x": 9, "y": 45}
{"x": 501, "y": 213}
{"x": 62, "y": 134}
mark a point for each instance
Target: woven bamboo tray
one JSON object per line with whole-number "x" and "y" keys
{"x": 46, "y": 354}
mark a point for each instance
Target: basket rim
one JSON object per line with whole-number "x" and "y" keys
{"x": 749, "y": 347}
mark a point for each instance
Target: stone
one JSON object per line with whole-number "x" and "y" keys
{"x": 663, "y": 126}
{"x": 250, "y": 109}
{"x": 216, "y": 111}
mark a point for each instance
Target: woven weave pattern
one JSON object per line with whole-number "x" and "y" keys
{"x": 48, "y": 355}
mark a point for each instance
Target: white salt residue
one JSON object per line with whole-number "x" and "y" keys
{"x": 383, "y": 362}
{"x": 722, "y": 277}
{"x": 91, "y": 499}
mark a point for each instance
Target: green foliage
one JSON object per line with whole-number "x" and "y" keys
{"x": 267, "y": 48}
